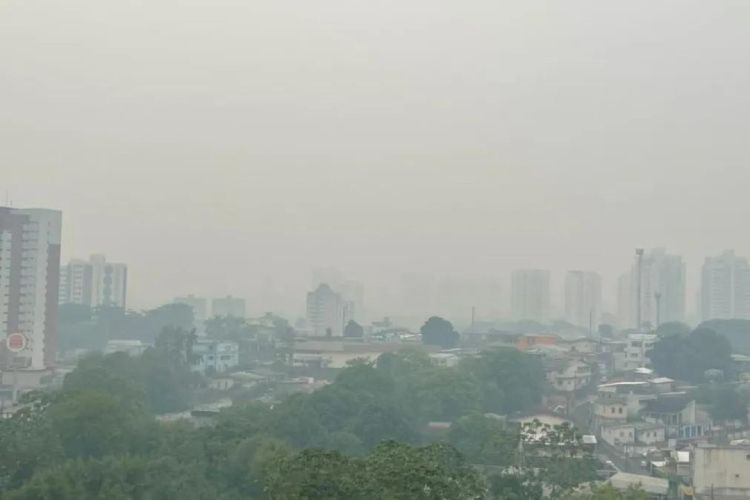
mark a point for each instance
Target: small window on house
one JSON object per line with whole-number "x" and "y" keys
{"x": 619, "y": 410}
{"x": 748, "y": 457}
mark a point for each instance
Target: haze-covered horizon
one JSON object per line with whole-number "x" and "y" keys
{"x": 214, "y": 145}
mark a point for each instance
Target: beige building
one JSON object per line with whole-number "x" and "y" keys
{"x": 94, "y": 283}
{"x": 327, "y": 312}
{"x": 721, "y": 472}
{"x": 29, "y": 284}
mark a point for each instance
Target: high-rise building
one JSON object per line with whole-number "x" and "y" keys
{"x": 625, "y": 301}
{"x": 725, "y": 287}
{"x": 327, "y": 312}
{"x": 330, "y": 276}
{"x": 94, "y": 283}
{"x": 228, "y": 306}
{"x": 199, "y": 305}
{"x": 583, "y": 298}
{"x": 354, "y": 293}
{"x": 662, "y": 291}
{"x": 530, "y": 295}
{"x": 29, "y": 283}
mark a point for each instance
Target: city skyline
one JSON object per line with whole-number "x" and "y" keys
{"x": 542, "y": 149}
{"x": 496, "y": 310}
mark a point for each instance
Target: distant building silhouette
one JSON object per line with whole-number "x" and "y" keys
{"x": 327, "y": 312}
{"x": 228, "y": 307}
{"x": 725, "y": 287}
{"x": 199, "y": 305}
{"x": 530, "y": 295}
{"x": 662, "y": 297}
{"x": 94, "y": 283}
{"x": 583, "y": 298}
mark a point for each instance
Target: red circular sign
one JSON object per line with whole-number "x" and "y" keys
{"x": 16, "y": 342}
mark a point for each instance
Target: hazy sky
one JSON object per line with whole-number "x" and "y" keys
{"x": 211, "y": 143}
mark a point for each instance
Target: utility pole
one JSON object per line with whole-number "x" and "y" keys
{"x": 657, "y": 296}
{"x": 639, "y": 267}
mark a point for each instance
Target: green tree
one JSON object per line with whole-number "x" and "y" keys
{"x": 509, "y": 380}
{"x": 28, "y": 442}
{"x": 354, "y": 330}
{"x": 94, "y": 424}
{"x": 401, "y": 472}
{"x": 725, "y": 401}
{"x": 672, "y": 328}
{"x": 116, "y": 478}
{"x": 736, "y": 331}
{"x": 443, "y": 394}
{"x": 516, "y": 484}
{"x": 438, "y": 331}
{"x": 228, "y": 328}
{"x": 484, "y": 440}
{"x": 689, "y": 357}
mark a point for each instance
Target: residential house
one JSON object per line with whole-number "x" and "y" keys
{"x": 215, "y": 357}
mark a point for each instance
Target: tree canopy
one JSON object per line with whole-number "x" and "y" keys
{"x": 688, "y": 357}
{"x": 438, "y": 331}
{"x": 364, "y": 436}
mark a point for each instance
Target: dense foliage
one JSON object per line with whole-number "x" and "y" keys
{"x": 81, "y": 327}
{"x": 362, "y": 437}
{"x": 688, "y": 357}
{"x": 440, "y": 332}
{"x": 736, "y": 331}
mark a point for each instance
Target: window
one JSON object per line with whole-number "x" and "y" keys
{"x": 620, "y": 410}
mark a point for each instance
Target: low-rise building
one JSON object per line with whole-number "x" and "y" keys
{"x": 636, "y": 351}
{"x": 534, "y": 339}
{"x": 570, "y": 376}
{"x": 618, "y": 435}
{"x": 610, "y": 412}
{"x": 130, "y": 347}
{"x": 674, "y": 412}
{"x": 446, "y": 359}
{"x": 337, "y": 353}
{"x": 215, "y": 357}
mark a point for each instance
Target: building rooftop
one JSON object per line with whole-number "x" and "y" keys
{"x": 642, "y": 336}
{"x": 645, "y": 426}
{"x": 622, "y": 384}
{"x": 666, "y": 405}
{"x": 661, "y": 380}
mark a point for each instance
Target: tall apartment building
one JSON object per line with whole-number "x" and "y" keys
{"x": 327, "y": 312}
{"x": 530, "y": 295}
{"x": 725, "y": 287}
{"x": 583, "y": 298}
{"x": 228, "y": 306}
{"x": 94, "y": 283}
{"x": 29, "y": 282}
{"x": 354, "y": 293}
{"x": 662, "y": 291}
